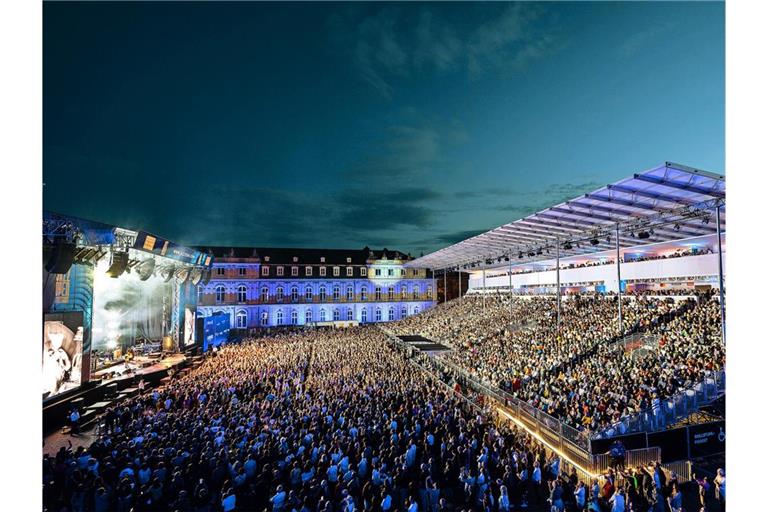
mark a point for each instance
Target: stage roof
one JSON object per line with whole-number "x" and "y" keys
{"x": 669, "y": 202}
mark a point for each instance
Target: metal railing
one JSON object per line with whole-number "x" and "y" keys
{"x": 669, "y": 410}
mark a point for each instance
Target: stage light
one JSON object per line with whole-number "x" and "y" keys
{"x": 705, "y": 220}
{"x": 538, "y": 251}
{"x": 196, "y": 275}
{"x": 118, "y": 264}
{"x": 167, "y": 272}
{"x": 206, "y": 276}
{"x": 594, "y": 241}
{"x": 531, "y": 253}
{"x": 145, "y": 269}
{"x": 567, "y": 246}
{"x": 677, "y": 226}
{"x": 642, "y": 235}
{"x": 506, "y": 258}
{"x": 520, "y": 254}
{"x": 182, "y": 274}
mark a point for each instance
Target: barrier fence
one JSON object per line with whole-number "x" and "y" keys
{"x": 574, "y": 444}
{"x": 669, "y": 411}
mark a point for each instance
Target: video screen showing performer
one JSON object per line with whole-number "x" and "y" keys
{"x": 62, "y": 352}
{"x": 189, "y": 326}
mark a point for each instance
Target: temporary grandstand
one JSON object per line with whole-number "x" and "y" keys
{"x": 660, "y": 232}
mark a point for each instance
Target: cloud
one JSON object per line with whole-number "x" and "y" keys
{"x": 387, "y": 46}
{"x": 644, "y": 38}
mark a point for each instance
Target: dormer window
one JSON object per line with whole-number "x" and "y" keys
{"x": 349, "y": 260}
{"x": 295, "y": 259}
{"x": 322, "y": 259}
{"x": 266, "y": 258}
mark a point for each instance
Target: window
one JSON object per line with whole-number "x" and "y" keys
{"x": 336, "y": 271}
{"x": 403, "y": 312}
{"x": 336, "y": 293}
{"x": 279, "y": 317}
{"x": 265, "y": 271}
{"x": 241, "y": 271}
{"x": 279, "y": 271}
{"x": 322, "y": 315}
{"x": 403, "y": 293}
{"x": 308, "y": 294}
{"x": 415, "y": 292}
{"x": 378, "y": 271}
{"x": 391, "y": 294}
{"x": 416, "y": 310}
{"x": 308, "y": 316}
{"x": 264, "y": 293}
{"x": 364, "y": 293}
{"x": 294, "y": 294}
{"x": 264, "y": 318}
{"x": 322, "y": 271}
{"x": 378, "y": 293}
{"x": 266, "y": 258}
{"x": 349, "y": 313}
{"x": 363, "y": 271}
{"x": 241, "y": 293}
{"x": 294, "y": 271}
{"x": 349, "y": 271}
{"x": 322, "y": 294}
{"x": 391, "y": 314}
{"x": 279, "y": 293}
{"x": 349, "y": 260}
{"x": 241, "y": 319}
{"x": 295, "y": 259}
{"x": 378, "y": 314}
{"x": 336, "y": 315}
{"x": 402, "y": 272}
{"x": 390, "y": 272}
{"x": 220, "y": 293}
{"x": 308, "y": 271}
{"x": 349, "y": 294}
{"x": 364, "y": 315}
{"x": 322, "y": 259}
{"x": 429, "y": 291}
{"x": 219, "y": 271}
{"x": 199, "y": 294}
{"x": 294, "y": 317}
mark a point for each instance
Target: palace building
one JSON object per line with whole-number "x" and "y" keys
{"x": 265, "y": 287}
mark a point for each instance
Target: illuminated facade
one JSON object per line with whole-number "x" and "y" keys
{"x": 266, "y": 287}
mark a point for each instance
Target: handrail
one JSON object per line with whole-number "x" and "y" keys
{"x": 670, "y": 409}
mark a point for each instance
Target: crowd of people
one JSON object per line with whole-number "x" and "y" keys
{"x": 574, "y": 371}
{"x": 322, "y": 420}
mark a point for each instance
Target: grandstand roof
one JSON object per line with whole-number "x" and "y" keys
{"x": 666, "y": 203}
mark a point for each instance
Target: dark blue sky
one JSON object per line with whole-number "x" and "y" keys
{"x": 409, "y": 126}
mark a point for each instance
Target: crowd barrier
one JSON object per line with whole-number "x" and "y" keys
{"x": 576, "y": 445}
{"x": 669, "y": 411}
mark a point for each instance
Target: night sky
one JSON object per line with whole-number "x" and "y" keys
{"x": 406, "y": 126}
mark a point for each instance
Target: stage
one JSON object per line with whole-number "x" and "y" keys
{"x": 120, "y": 382}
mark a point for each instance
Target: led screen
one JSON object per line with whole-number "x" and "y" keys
{"x": 215, "y": 330}
{"x": 189, "y": 326}
{"x": 62, "y": 352}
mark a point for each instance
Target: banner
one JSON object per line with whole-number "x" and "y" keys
{"x": 161, "y": 247}
{"x": 706, "y": 439}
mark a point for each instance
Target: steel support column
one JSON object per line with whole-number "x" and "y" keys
{"x": 720, "y": 273}
{"x": 511, "y": 313}
{"x": 484, "y": 290}
{"x": 557, "y": 259}
{"x": 618, "y": 275}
